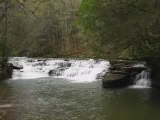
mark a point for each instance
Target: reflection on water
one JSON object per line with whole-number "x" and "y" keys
{"x": 59, "y": 99}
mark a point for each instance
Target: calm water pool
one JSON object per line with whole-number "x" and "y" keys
{"x": 60, "y": 99}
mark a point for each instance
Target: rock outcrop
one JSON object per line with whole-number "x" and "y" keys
{"x": 122, "y": 73}
{"x": 16, "y": 66}
{"x": 6, "y": 73}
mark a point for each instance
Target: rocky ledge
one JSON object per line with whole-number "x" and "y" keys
{"x": 122, "y": 73}
{"x": 6, "y": 73}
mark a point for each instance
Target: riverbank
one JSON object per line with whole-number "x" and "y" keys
{"x": 6, "y": 73}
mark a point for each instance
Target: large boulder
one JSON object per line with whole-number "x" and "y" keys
{"x": 16, "y": 66}
{"x": 116, "y": 80}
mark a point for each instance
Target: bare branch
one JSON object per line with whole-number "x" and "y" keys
{"x": 32, "y": 12}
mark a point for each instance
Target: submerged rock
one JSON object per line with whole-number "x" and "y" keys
{"x": 56, "y": 72}
{"x": 60, "y": 70}
{"x": 30, "y": 60}
{"x": 64, "y": 64}
{"x": 102, "y": 74}
{"x": 43, "y": 60}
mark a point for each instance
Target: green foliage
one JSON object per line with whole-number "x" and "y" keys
{"x": 113, "y": 28}
{"x": 125, "y": 28}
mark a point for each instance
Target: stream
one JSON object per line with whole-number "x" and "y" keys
{"x": 73, "y": 93}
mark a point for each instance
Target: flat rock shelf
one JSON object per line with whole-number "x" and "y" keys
{"x": 123, "y": 73}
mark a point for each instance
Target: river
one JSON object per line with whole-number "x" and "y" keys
{"x": 50, "y": 98}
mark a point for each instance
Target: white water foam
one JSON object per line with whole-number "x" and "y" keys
{"x": 75, "y": 70}
{"x": 142, "y": 80}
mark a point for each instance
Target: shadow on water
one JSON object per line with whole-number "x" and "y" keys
{"x": 59, "y": 99}
{"x": 6, "y": 104}
{"x": 132, "y": 104}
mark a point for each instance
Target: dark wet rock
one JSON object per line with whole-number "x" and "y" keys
{"x": 66, "y": 60}
{"x": 116, "y": 80}
{"x": 43, "y": 60}
{"x": 16, "y": 66}
{"x": 154, "y": 64}
{"x": 41, "y": 63}
{"x": 133, "y": 69}
{"x": 30, "y": 60}
{"x": 60, "y": 70}
{"x": 102, "y": 74}
{"x": 122, "y": 73}
{"x": 127, "y": 65}
{"x": 57, "y": 72}
{"x": 52, "y": 72}
{"x": 6, "y": 73}
{"x": 119, "y": 72}
{"x": 64, "y": 64}
{"x": 127, "y": 62}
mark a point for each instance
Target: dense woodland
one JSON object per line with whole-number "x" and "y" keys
{"x": 41, "y": 28}
{"x": 123, "y": 28}
{"x": 80, "y": 28}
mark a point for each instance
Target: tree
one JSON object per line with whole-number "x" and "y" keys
{"x": 13, "y": 17}
{"x": 124, "y": 28}
{"x": 5, "y": 5}
{"x": 49, "y": 32}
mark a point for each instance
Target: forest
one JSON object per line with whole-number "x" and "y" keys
{"x": 80, "y": 28}
{"x": 40, "y": 28}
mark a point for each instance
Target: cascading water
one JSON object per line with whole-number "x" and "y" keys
{"x": 143, "y": 80}
{"x": 75, "y": 70}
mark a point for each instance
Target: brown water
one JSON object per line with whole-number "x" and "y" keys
{"x": 59, "y": 99}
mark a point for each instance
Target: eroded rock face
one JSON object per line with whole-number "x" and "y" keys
{"x": 122, "y": 73}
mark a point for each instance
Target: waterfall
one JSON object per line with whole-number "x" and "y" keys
{"x": 76, "y": 70}
{"x": 142, "y": 80}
